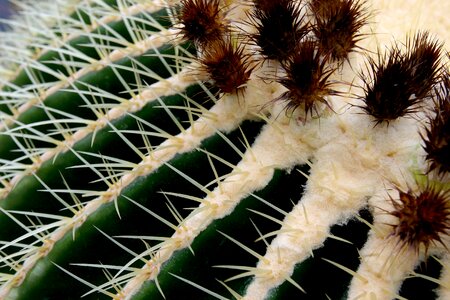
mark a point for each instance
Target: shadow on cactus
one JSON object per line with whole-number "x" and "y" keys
{"x": 145, "y": 152}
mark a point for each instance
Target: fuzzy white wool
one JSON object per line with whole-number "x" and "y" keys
{"x": 381, "y": 273}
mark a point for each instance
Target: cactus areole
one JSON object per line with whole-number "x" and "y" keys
{"x": 225, "y": 149}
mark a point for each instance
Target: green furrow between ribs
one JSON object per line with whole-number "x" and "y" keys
{"x": 90, "y": 246}
{"x": 69, "y": 100}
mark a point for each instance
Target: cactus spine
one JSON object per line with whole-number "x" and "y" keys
{"x": 147, "y": 153}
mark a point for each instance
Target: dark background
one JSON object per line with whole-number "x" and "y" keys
{"x": 6, "y": 10}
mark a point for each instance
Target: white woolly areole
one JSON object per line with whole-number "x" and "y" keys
{"x": 381, "y": 273}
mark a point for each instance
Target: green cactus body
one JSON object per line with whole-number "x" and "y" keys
{"x": 127, "y": 172}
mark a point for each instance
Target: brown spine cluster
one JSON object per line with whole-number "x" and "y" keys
{"x": 307, "y": 51}
{"x": 437, "y": 137}
{"x": 202, "y": 21}
{"x": 423, "y": 218}
{"x": 337, "y": 23}
{"x": 227, "y": 65}
{"x": 424, "y": 59}
{"x": 399, "y": 82}
{"x": 307, "y": 73}
{"x": 222, "y": 57}
{"x": 279, "y": 27}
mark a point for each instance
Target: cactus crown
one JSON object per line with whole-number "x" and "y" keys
{"x": 224, "y": 149}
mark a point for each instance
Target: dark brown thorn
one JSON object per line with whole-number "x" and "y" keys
{"x": 307, "y": 79}
{"x": 423, "y": 218}
{"x": 399, "y": 82}
{"x": 203, "y": 21}
{"x": 280, "y": 26}
{"x": 227, "y": 65}
{"x": 437, "y": 136}
{"x": 337, "y": 25}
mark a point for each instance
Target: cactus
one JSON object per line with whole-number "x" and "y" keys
{"x": 212, "y": 149}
